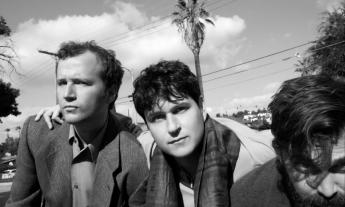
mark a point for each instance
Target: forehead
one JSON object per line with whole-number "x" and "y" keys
{"x": 86, "y": 64}
{"x": 163, "y": 105}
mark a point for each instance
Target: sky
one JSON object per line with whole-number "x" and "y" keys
{"x": 141, "y": 33}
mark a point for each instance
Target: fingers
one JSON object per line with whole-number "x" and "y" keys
{"x": 49, "y": 114}
{"x": 47, "y": 118}
{"x": 39, "y": 114}
{"x": 57, "y": 116}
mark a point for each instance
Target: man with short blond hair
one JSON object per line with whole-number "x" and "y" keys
{"x": 91, "y": 159}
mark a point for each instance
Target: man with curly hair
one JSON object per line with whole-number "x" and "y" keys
{"x": 196, "y": 157}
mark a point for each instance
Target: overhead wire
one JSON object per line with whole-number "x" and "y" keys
{"x": 250, "y": 79}
{"x": 263, "y": 65}
{"x": 119, "y": 37}
{"x": 259, "y": 58}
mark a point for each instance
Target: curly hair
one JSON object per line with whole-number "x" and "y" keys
{"x": 307, "y": 120}
{"x": 167, "y": 80}
{"x": 112, "y": 70}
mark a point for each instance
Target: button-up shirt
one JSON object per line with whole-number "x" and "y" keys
{"x": 83, "y": 166}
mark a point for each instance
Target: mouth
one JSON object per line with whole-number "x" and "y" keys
{"x": 70, "y": 108}
{"x": 177, "y": 140}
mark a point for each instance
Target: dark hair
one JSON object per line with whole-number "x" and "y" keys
{"x": 164, "y": 80}
{"x": 112, "y": 70}
{"x": 307, "y": 116}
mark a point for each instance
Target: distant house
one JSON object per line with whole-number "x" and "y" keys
{"x": 7, "y": 168}
{"x": 8, "y": 163}
{"x": 250, "y": 117}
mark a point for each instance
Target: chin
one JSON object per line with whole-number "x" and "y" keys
{"x": 72, "y": 119}
{"x": 181, "y": 153}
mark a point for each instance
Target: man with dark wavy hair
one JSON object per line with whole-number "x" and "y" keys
{"x": 308, "y": 125}
{"x": 91, "y": 159}
{"x": 195, "y": 157}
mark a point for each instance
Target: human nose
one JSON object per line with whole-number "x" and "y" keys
{"x": 327, "y": 187}
{"x": 69, "y": 94}
{"x": 173, "y": 125}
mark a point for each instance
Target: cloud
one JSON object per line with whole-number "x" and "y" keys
{"x": 287, "y": 35}
{"x": 138, "y": 39}
{"x": 329, "y": 5}
{"x": 272, "y": 87}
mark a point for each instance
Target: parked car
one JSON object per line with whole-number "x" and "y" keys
{"x": 7, "y": 174}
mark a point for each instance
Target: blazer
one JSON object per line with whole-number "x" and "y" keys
{"x": 44, "y": 161}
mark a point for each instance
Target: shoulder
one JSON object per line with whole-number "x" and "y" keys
{"x": 39, "y": 131}
{"x": 126, "y": 124}
{"x": 259, "y": 188}
{"x": 130, "y": 148}
{"x": 127, "y": 138}
{"x": 255, "y": 182}
{"x": 255, "y": 145}
{"x": 227, "y": 141}
{"x": 148, "y": 144}
{"x": 222, "y": 131}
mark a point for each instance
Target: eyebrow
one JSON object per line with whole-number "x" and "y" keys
{"x": 180, "y": 105}
{"x": 153, "y": 114}
{"x": 340, "y": 162}
{"x": 159, "y": 111}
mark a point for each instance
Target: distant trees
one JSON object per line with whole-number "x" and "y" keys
{"x": 8, "y": 95}
{"x": 7, "y": 53}
{"x": 11, "y": 142}
{"x": 327, "y": 54}
{"x": 8, "y": 104}
{"x": 189, "y": 18}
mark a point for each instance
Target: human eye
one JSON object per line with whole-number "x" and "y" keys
{"x": 81, "y": 82}
{"x": 156, "y": 117}
{"x": 338, "y": 167}
{"x": 61, "y": 82}
{"x": 180, "y": 109}
{"x": 303, "y": 171}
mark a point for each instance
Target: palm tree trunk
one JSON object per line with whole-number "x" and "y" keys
{"x": 198, "y": 75}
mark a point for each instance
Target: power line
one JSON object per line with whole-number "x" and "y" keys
{"x": 222, "y": 5}
{"x": 261, "y": 66}
{"x": 260, "y": 58}
{"x": 238, "y": 72}
{"x": 249, "y": 79}
{"x": 123, "y": 36}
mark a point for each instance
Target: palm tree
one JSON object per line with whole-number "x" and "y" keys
{"x": 18, "y": 129}
{"x": 8, "y": 132}
{"x": 189, "y": 18}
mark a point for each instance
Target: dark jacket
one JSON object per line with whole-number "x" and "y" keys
{"x": 259, "y": 188}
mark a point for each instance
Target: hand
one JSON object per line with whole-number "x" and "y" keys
{"x": 49, "y": 114}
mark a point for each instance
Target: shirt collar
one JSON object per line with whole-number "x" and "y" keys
{"x": 94, "y": 145}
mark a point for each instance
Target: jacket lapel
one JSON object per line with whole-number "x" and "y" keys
{"x": 107, "y": 166}
{"x": 58, "y": 162}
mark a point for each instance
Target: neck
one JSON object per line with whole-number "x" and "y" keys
{"x": 190, "y": 162}
{"x": 88, "y": 131}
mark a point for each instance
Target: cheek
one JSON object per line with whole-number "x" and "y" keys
{"x": 302, "y": 188}
{"x": 339, "y": 180}
{"x": 157, "y": 133}
{"x": 196, "y": 124}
